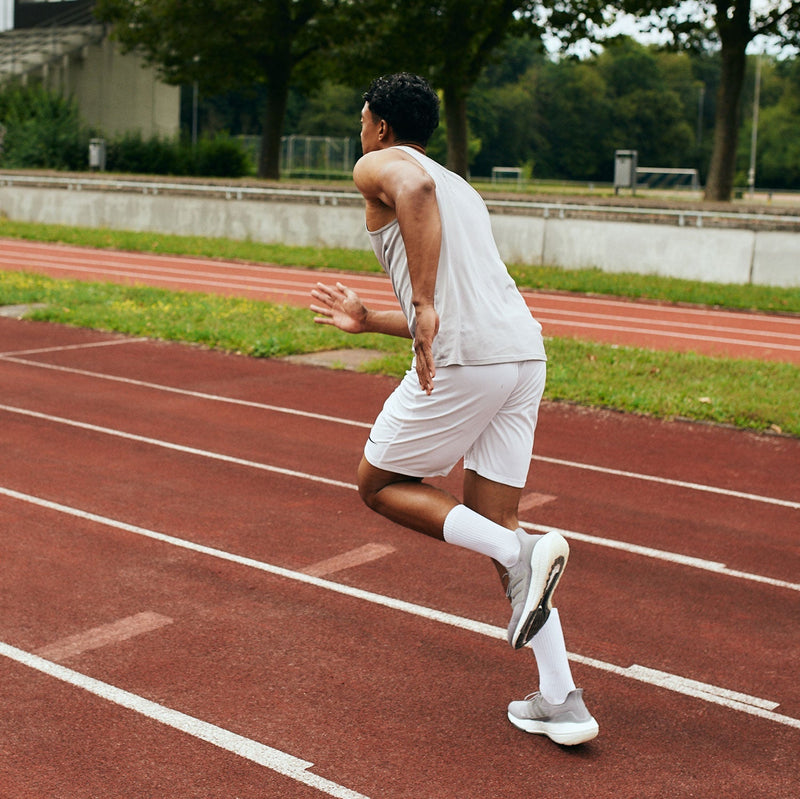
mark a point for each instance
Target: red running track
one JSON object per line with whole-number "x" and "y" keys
{"x": 196, "y": 604}
{"x": 646, "y": 324}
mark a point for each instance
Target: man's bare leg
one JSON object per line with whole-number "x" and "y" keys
{"x": 405, "y": 500}
{"x": 495, "y": 501}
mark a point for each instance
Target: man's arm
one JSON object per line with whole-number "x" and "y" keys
{"x": 343, "y": 308}
{"x": 390, "y": 182}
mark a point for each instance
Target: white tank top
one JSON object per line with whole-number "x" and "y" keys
{"x": 482, "y": 316}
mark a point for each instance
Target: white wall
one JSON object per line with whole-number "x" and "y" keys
{"x": 6, "y": 15}
{"x": 708, "y": 254}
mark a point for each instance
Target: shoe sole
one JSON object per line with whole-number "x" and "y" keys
{"x": 566, "y": 733}
{"x": 548, "y": 561}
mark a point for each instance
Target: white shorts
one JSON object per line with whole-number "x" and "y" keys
{"x": 485, "y": 414}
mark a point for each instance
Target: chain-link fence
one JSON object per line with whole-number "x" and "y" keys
{"x": 317, "y": 156}
{"x": 310, "y": 156}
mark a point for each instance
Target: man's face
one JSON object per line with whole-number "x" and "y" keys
{"x": 372, "y": 128}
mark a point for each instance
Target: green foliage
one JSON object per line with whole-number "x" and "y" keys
{"x": 568, "y": 116}
{"x": 778, "y": 143}
{"x": 43, "y": 130}
{"x": 332, "y": 110}
{"x": 231, "y": 45}
{"x": 220, "y": 156}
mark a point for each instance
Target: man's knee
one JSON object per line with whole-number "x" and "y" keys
{"x": 369, "y": 483}
{"x": 372, "y": 481}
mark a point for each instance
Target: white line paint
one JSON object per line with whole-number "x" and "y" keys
{"x": 752, "y": 706}
{"x": 198, "y": 284}
{"x": 273, "y": 759}
{"x": 534, "y": 500}
{"x": 632, "y": 548}
{"x": 104, "y": 635}
{"x": 728, "y": 492}
{"x": 650, "y": 325}
{"x": 203, "y": 453}
{"x": 65, "y": 347}
{"x": 573, "y": 300}
{"x": 688, "y": 336}
{"x": 736, "y": 701}
{"x": 669, "y": 557}
{"x": 368, "y": 425}
{"x": 348, "y": 560}
{"x": 186, "y": 392}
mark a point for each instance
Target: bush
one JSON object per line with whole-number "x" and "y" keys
{"x": 132, "y": 153}
{"x": 43, "y": 130}
{"x": 221, "y": 157}
{"x": 217, "y": 157}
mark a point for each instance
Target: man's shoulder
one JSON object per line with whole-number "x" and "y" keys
{"x": 376, "y": 159}
{"x": 378, "y": 170}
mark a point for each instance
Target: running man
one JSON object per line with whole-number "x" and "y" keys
{"x": 473, "y": 390}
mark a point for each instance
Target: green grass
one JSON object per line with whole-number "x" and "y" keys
{"x": 749, "y": 394}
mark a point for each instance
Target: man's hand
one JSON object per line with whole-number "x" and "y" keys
{"x": 340, "y": 307}
{"x": 426, "y": 329}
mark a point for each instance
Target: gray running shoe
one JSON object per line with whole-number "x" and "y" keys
{"x": 568, "y": 724}
{"x": 531, "y": 582}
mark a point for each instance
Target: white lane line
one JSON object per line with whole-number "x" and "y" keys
{"x": 368, "y": 425}
{"x": 752, "y": 705}
{"x": 65, "y": 347}
{"x": 534, "y": 500}
{"x": 728, "y": 492}
{"x": 185, "y": 392}
{"x": 791, "y": 335}
{"x": 688, "y": 336}
{"x": 271, "y": 280}
{"x": 273, "y": 759}
{"x": 203, "y": 453}
{"x": 655, "y": 307}
{"x": 669, "y": 557}
{"x": 197, "y": 284}
{"x": 348, "y": 560}
{"x": 104, "y": 635}
{"x": 632, "y": 548}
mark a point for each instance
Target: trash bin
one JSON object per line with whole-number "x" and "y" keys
{"x": 625, "y": 163}
{"x": 97, "y": 154}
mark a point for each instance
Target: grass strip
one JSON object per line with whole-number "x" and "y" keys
{"x": 746, "y": 393}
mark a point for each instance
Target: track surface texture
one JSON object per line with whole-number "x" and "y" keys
{"x": 194, "y": 602}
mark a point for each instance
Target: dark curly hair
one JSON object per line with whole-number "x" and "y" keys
{"x": 407, "y": 103}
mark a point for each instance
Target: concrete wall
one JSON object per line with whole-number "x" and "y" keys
{"x": 709, "y": 254}
{"x": 117, "y": 93}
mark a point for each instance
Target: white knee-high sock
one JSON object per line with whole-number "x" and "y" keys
{"x": 555, "y": 676}
{"x": 466, "y": 528}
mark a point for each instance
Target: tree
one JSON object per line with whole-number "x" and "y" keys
{"x": 230, "y": 44}
{"x": 643, "y": 109}
{"x": 448, "y": 41}
{"x": 731, "y": 25}
{"x": 567, "y": 116}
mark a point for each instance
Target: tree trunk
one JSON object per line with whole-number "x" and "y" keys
{"x": 734, "y": 34}
{"x": 455, "y": 112}
{"x": 269, "y": 159}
